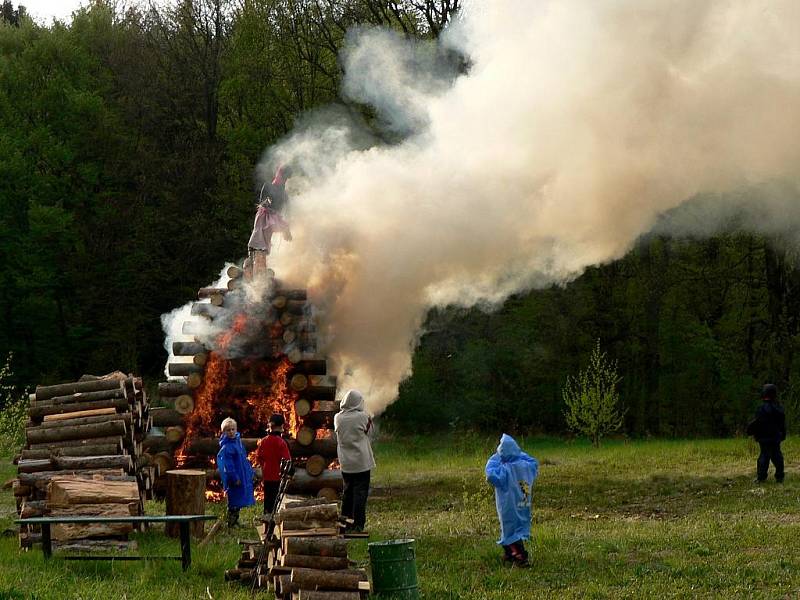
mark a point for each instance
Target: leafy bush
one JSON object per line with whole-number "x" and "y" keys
{"x": 13, "y": 412}
{"x": 592, "y": 398}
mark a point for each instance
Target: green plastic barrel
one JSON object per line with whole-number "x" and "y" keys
{"x": 394, "y": 570}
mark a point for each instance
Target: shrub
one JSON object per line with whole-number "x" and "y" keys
{"x": 13, "y": 412}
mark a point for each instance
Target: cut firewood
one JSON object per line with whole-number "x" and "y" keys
{"x": 171, "y": 389}
{"x": 38, "y": 412}
{"x": 45, "y": 392}
{"x": 186, "y": 495}
{"x": 186, "y": 349}
{"x": 40, "y": 435}
{"x": 68, "y": 491}
{"x": 304, "y": 483}
{"x": 320, "y": 512}
{"x": 316, "y": 464}
{"x": 73, "y": 463}
{"x": 200, "y": 359}
{"x": 78, "y": 415}
{"x": 183, "y": 369}
{"x": 315, "y": 546}
{"x": 306, "y": 436}
{"x": 312, "y": 579}
{"x": 184, "y": 404}
{"x": 302, "y": 407}
{"x": 194, "y": 380}
{"x": 327, "y": 563}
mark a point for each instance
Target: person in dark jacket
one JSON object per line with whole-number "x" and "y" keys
{"x": 271, "y": 450}
{"x": 769, "y": 430}
{"x": 235, "y": 471}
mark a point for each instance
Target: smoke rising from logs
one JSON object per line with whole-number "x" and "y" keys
{"x": 574, "y": 127}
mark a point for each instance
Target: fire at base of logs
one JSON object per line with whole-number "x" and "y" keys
{"x": 279, "y": 373}
{"x": 83, "y": 456}
{"x": 305, "y": 558}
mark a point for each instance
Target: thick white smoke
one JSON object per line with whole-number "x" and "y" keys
{"x": 576, "y": 125}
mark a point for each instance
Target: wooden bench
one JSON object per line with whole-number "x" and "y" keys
{"x": 182, "y": 520}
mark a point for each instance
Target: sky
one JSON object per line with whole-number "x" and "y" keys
{"x": 45, "y": 10}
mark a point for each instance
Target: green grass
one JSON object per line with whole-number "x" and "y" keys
{"x": 670, "y": 519}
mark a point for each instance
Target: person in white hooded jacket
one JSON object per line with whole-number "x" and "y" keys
{"x": 352, "y": 426}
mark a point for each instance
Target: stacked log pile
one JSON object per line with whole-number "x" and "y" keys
{"x": 288, "y": 325}
{"x": 89, "y": 431}
{"x": 305, "y": 560}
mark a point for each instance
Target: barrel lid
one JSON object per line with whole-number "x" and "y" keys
{"x": 392, "y": 542}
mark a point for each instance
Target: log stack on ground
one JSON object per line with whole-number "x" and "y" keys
{"x": 304, "y": 562}
{"x": 89, "y": 430}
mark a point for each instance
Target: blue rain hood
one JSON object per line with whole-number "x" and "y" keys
{"x": 512, "y": 473}
{"x": 233, "y": 466}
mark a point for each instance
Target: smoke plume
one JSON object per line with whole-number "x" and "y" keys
{"x": 575, "y": 126}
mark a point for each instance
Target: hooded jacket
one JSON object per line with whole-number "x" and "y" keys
{"x": 769, "y": 426}
{"x": 352, "y": 426}
{"x": 233, "y": 466}
{"x": 512, "y": 473}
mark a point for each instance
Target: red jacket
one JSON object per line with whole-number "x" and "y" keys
{"x": 271, "y": 449}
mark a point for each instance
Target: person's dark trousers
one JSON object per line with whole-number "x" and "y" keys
{"x": 233, "y": 516}
{"x": 770, "y": 451}
{"x": 270, "y": 493}
{"x": 354, "y": 497}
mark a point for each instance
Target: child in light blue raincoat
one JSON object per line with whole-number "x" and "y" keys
{"x": 235, "y": 471}
{"x": 512, "y": 473}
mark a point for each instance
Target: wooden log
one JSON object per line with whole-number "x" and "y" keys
{"x": 109, "y": 545}
{"x": 27, "y": 454}
{"x": 328, "y": 494}
{"x": 321, "y": 387}
{"x": 184, "y": 404}
{"x": 69, "y": 491}
{"x": 174, "y": 434}
{"x": 87, "y": 420}
{"x": 314, "y": 562}
{"x": 234, "y": 284}
{"x": 187, "y": 348}
{"x": 206, "y": 310}
{"x": 114, "y": 439}
{"x": 153, "y": 444}
{"x": 234, "y": 272}
{"x": 323, "y": 446}
{"x": 183, "y": 369}
{"x": 97, "y": 412}
{"x": 21, "y": 489}
{"x": 302, "y": 407}
{"x": 43, "y": 478}
{"x": 298, "y": 382}
{"x": 171, "y": 389}
{"x": 306, "y": 435}
{"x": 33, "y": 508}
{"x": 210, "y": 446}
{"x": 166, "y": 417}
{"x": 294, "y": 355}
{"x": 311, "y": 367}
{"x": 316, "y": 464}
{"x": 333, "y": 547}
{"x": 318, "y": 512}
{"x": 200, "y": 359}
{"x": 80, "y": 463}
{"x": 208, "y": 292}
{"x": 311, "y": 524}
{"x": 325, "y": 595}
{"x": 71, "y": 531}
{"x": 302, "y": 482}
{"x": 289, "y": 336}
{"x": 295, "y": 307}
{"x": 163, "y": 462}
{"x": 90, "y": 450}
{"x": 39, "y": 412}
{"x": 186, "y": 495}
{"x": 34, "y": 465}
{"x": 45, "y": 392}
{"x": 283, "y": 585}
{"x": 306, "y": 502}
{"x": 292, "y": 294}
{"x": 312, "y": 579}
{"x": 319, "y": 419}
{"x": 194, "y": 380}
{"x": 40, "y": 435}
{"x": 118, "y": 392}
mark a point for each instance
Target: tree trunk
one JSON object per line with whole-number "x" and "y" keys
{"x": 83, "y": 397}
{"x": 315, "y": 562}
{"x": 320, "y": 512}
{"x": 73, "y": 463}
{"x": 316, "y": 464}
{"x": 40, "y": 435}
{"x": 64, "y": 389}
{"x": 302, "y": 482}
{"x": 37, "y": 412}
{"x": 322, "y": 595}
{"x": 315, "y": 547}
{"x": 186, "y": 495}
{"x": 85, "y": 420}
{"x": 324, "y": 447}
{"x": 34, "y": 465}
{"x": 187, "y": 349}
{"x": 183, "y": 369}
{"x": 68, "y": 491}
{"x": 311, "y": 579}
{"x": 166, "y": 417}
{"x": 170, "y": 389}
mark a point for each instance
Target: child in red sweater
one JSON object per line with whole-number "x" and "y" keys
{"x": 271, "y": 449}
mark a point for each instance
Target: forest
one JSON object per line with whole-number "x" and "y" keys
{"x": 128, "y": 139}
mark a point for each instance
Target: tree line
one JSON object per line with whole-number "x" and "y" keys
{"x": 128, "y": 139}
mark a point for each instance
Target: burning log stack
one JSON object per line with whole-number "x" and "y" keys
{"x": 305, "y": 560}
{"x": 275, "y": 369}
{"x": 86, "y": 435}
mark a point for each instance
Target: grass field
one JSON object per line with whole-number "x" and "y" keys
{"x": 644, "y": 519}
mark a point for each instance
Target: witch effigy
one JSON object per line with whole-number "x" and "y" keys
{"x": 269, "y": 219}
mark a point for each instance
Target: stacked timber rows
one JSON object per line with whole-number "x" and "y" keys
{"x": 284, "y": 334}
{"x": 83, "y": 456}
{"x": 305, "y": 560}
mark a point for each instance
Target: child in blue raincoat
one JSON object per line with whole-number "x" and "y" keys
{"x": 235, "y": 471}
{"x": 512, "y": 473}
